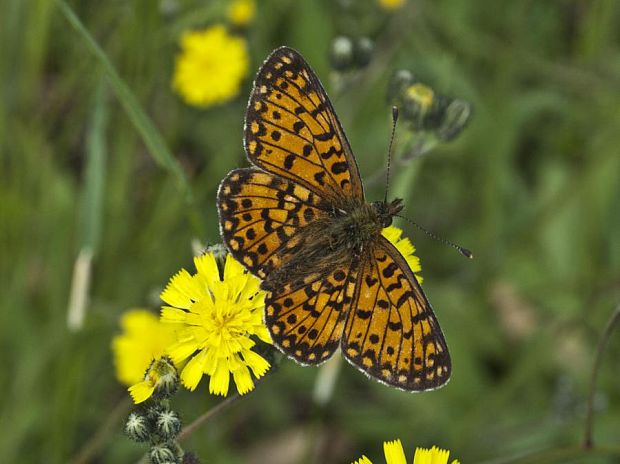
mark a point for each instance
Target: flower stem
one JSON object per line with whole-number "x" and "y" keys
{"x": 191, "y": 428}
{"x": 588, "y": 441}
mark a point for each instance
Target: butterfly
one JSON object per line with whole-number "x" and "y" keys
{"x": 298, "y": 220}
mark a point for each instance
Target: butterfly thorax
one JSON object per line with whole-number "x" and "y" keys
{"x": 359, "y": 227}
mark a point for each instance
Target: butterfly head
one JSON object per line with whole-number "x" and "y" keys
{"x": 387, "y": 210}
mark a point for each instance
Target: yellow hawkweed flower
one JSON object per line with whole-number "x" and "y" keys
{"x": 143, "y": 340}
{"x": 391, "y": 4}
{"x": 422, "y": 94}
{"x": 210, "y": 67}
{"x": 216, "y": 318}
{"x": 241, "y": 12}
{"x": 405, "y": 247}
{"x": 394, "y": 454}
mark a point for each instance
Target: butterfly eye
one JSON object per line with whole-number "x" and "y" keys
{"x": 386, "y": 221}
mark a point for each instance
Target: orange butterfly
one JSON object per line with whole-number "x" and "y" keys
{"x": 298, "y": 220}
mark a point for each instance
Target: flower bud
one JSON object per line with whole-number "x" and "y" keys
{"x": 137, "y": 427}
{"x": 363, "y": 51}
{"x": 164, "y": 453}
{"x": 219, "y": 252}
{"x": 341, "y": 53}
{"x": 168, "y": 424}
{"x": 455, "y": 118}
{"x": 161, "y": 381}
{"x": 168, "y": 382}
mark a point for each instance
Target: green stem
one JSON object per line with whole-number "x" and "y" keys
{"x": 588, "y": 441}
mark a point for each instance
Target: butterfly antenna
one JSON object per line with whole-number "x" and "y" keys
{"x": 464, "y": 251}
{"x": 387, "y": 174}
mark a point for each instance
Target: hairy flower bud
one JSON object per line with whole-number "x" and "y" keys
{"x": 168, "y": 424}
{"x": 164, "y": 453}
{"x": 137, "y": 427}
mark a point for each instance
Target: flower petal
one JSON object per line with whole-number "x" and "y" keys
{"x": 206, "y": 269}
{"x": 433, "y": 455}
{"x": 182, "y": 350}
{"x": 243, "y": 379}
{"x": 394, "y": 453}
{"x": 232, "y": 268}
{"x": 181, "y": 290}
{"x": 363, "y": 460}
{"x": 173, "y": 315}
{"x": 192, "y": 373}
{"x": 220, "y": 379}
{"x": 256, "y": 362}
{"x": 142, "y": 391}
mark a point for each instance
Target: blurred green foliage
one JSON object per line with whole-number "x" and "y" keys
{"x": 531, "y": 186}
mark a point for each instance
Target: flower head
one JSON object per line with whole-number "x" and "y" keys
{"x": 395, "y": 454}
{"x": 421, "y": 95}
{"x": 217, "y": 318}
{"x": 241, "y": 12}
{"x": 210, "y": 67}
{"x": 143, "y": 340}
{"x": 391, "y": 4}
{"x": 405, "y": 247}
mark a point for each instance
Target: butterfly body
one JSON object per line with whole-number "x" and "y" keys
{"x": 299, "y": 221}
{"x": 339, "y": 238}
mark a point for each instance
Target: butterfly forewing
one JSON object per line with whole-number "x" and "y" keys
{"x": 391, "y": 332}
{"x": 259, "y": 215}
{"x": 291, "y": 130}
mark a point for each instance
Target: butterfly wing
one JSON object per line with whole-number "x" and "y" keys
{"x": 260, "y": 214}
{"x": 391, "y": 332}
{"x": 306, "y": 318}
{"x": 291, "y": 130}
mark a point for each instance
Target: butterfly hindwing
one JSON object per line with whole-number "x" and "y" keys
{"x": 306, "y": 318}
{"x": 259, "y": 215}
{"x": 291, "y": 129}
{"x": 391, "y": 332}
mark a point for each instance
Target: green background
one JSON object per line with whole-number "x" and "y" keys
{"x": 531, "y": 186}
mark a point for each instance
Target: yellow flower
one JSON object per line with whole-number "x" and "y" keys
{"x": 394, "y": 454}
{"x": 210, "y": 67}
{"x": 217, "y": 318}
{"x": 391, "y": 4}
{"x": 241, "y": 12}
{"x": 422, "y": 95}
{"x": 405, "y": 247}
{"x": 143, "y": 340}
